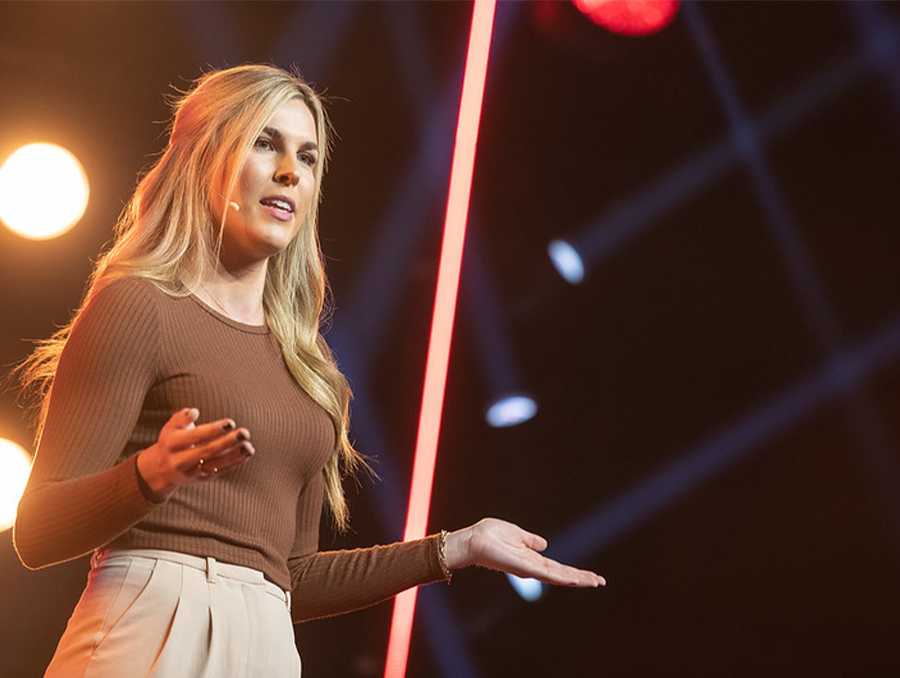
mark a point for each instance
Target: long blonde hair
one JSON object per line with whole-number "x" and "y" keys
{"x": 167, "y": 234}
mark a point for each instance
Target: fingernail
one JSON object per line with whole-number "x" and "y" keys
{"x": 246, "y": 451}
{"x": 242, "y": 436}
{"x": 228, "y": 425}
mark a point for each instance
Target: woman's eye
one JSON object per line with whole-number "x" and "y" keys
{"x": 263, "y": 143}
{"x": 308, "y": 159}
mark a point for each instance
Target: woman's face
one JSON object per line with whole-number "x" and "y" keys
{"x": 275, "y": 187}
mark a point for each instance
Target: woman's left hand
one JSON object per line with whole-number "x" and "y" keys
{"x": 503, "y": 546}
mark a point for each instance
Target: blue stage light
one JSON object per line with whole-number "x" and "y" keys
{"x": 530, "y": 589}
{"x": 567, "y": 261}
{"x": 510, "y": 410}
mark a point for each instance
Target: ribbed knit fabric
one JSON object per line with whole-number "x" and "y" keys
{"x": 137, "y": 355}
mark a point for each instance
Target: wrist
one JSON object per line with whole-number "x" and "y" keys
{"x": 455, "y": 546}
{"x": 442, "y": 555}
{"x": 152, "y": 485}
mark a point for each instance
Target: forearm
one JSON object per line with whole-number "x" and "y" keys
{"x": 335, "y": 582}
{"x": 59, "y": 521}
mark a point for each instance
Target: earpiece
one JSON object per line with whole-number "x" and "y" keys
{"x": 234, "y": 206}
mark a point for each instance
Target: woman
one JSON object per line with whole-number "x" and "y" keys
{"x": 193, "y": 422}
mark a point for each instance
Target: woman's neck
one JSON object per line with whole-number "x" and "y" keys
{"x": 238, "y": 295}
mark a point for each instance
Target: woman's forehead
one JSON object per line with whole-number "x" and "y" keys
{"x": 294, "y": 121}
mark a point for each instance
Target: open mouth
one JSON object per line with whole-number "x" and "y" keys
{"x": 279, "y": 203}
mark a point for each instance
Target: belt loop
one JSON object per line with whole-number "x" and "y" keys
{"x": 211, "y": 570}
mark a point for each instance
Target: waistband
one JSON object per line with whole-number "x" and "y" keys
{"x": 212, "y": 568}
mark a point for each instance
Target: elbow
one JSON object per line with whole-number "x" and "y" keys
{"x": 30, "y": 553}
{"x": 28, "y": 556}
{"x": 27, "y": 545}
{"x": 29, "y": 560}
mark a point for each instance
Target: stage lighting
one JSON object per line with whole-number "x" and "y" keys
{"x": 629, "y": 17}
{"x": 43, "y": 191}
{"x": 567, "y": 261}
{"x": 510, "y": 410}
{"x": 15, "y": 465}
{"x": 530, "y": 589}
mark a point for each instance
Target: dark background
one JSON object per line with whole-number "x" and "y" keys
{"x": 718, "y": 429}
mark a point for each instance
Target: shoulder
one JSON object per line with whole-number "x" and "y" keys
{"x": 116, "y": 331}
{"x": 131, "y": 295}
{"x": 130, "y": 290}
{"x": 126, "y": 305}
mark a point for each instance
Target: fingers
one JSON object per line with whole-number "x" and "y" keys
{"x": 550, "y": 571}
{"x": 210, "y": 467}
{"x": 206, "y": 450}
{"x": 534, "y": 541}
{"x": 222, "y": 452}
{"x": 504, "y": 546}
{"x": 181, "y": 433}
{"x": 183, "y": 419}
{"x": 184, "y": 438}
{"x": 564, "y": 575}
{"x": 186, "y": 453}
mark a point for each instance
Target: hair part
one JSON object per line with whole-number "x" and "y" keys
{"x": 167, "y": 234}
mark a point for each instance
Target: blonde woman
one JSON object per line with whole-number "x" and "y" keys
{"x": 194, "y": 425}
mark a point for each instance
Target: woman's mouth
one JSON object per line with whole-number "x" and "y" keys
{"x": 279, "y": 207}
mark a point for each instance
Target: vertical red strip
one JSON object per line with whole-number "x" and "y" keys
{"x": 442, "y": 321}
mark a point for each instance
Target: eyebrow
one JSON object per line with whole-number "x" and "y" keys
{"x": 276, "y": 134}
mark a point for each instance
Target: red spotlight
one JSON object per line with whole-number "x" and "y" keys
{"x": 629, "y": 17}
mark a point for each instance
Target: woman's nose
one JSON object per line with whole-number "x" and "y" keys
{"x": 288, "y": 174}
{"x": 288, "y": 177}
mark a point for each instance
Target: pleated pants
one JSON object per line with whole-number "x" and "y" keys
{"x": 162, "y": 614}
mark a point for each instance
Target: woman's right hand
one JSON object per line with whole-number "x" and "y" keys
{"x": 186, "y": 453}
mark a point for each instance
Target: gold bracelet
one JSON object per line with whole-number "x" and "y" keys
{"x": 442, "y": 555}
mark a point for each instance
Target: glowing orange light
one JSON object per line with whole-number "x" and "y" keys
{"x": 442, "y": 320}
{"x": 630, "y": 17}
{"x": 15, "y": 465}
{"x": 26, "y": 205}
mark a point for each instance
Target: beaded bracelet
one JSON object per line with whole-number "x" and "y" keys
{"x": 442, "y": 555}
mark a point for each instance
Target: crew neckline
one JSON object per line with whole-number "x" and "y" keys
{"x": 231, "y": 322}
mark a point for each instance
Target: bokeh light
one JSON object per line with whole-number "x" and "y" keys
{"x": 529, "y": 589}
{"x": 567, "y": 261}
{"x": 15, "y": 465}
{"x": 511, "y": 410}
{"x": 630, "y": 17}
{"x": 43, "y": 191}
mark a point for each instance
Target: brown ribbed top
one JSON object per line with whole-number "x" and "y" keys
{"x": 137, "y": 355}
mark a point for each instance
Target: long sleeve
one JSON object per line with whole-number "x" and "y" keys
{"x": 83, "y": 490}
{"x": 328, "y": 583}
{"x": 136, "y": 355}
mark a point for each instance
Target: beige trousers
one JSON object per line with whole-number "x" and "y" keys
{"x": 161, "y": 614}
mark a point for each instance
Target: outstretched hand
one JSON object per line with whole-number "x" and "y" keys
{"x": 187, "y": 453}
{"x": 503, "y": 546}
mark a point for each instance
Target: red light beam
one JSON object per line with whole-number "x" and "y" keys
{"x": 442, "y": 320}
